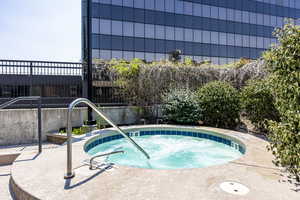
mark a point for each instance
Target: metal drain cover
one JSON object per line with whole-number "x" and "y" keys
{"x": 234, "y": 188}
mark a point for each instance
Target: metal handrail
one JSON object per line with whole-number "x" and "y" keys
{"x": 101, "y": 155}
{"x": 30, "y": 98}
{"x": 70, "y": 173}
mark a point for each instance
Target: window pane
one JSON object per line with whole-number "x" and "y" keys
{"x": 159, "y": 32}
{"x": 149, "y": 57}
{"x": 223, "y": 40}
{"x": 222, "y": 13}
{"x": 128, "y": 3}
{"x": 160, "y": 56}
{"x": 206, "y": 11}
{"x": 117, "y": 54}
{"x": 116, "y": 2}
{"x": 170, "y": 33}
{"x": 128, "y": 55}
{"x": 246, "y": 41}
{"x": 140, "y": 55}
{"x": 206, "y": 36}
{"x": 159, "y": 5}
{"x": 149, "y": 4}
{"x": 139, "y": 4}
{"x": 214, "y": 12}
{"x": 178, "y": 6}
{"x": 188, "y": 8}
{"x": 230, "y": 39}
{"x": 238, "y": 40}
{"x": 260, "y": 42}
{"x": 188, "y": 35}
{"x": 179, "y": 34}
{"x": 95, "y": 53}
{"x": 214, "y": 37}
{"x": 197, "y": 36}
{"x": 128, "y": 29}
{"x": 139, "y": 30}
{"x": 104, "y": 1}
{"x": 197, "y": 9}
{"x": 149, "y": 30}
{"x": 105, "y": 54}
{"x": 230, "y": 14}
{"x": 253, "y": 18}
{"x": 95, "y": 25}
{"x": 246, "y": 17}
{"x": 117, "y": 28}
{"x": 238, "y": 16}
{"x": 252, "y": 42}
{"x": 105, "y": 26}
{"x": 170, "y": 7}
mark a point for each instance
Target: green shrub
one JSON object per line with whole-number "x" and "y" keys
{"x": 219, "y": 103}
{"x": 259, "y": 104}
{"x": 283, "y": 61}
{"x": 180, "y": 107}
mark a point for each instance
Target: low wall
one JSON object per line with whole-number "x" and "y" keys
{"x": 19, "y": 126}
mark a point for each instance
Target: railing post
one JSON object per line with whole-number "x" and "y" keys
{"x": 31, "y": 82}
{"x": 40, "y": 124}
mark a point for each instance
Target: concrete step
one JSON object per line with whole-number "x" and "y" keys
{"x": 8, "y": 158}
{"x": 56, "y": 138}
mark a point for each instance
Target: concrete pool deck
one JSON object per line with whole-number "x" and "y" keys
{"x": 36, "y": 176}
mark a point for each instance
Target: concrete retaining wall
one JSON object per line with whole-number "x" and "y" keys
{"x": 19, "y": 126}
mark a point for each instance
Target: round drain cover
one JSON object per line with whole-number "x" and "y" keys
{"x": 234, "y": 188}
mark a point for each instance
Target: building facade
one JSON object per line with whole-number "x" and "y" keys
{"x": 217, "y": 30}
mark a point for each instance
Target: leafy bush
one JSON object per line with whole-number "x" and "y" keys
{"x": 258, "y": 103}
{"x": 283, "y": 61}
{"x": 219, "y": 103}
{"x": 180, "y": 107}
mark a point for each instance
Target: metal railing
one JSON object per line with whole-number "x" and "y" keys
{"x": 70, "y": 173}
{"x": 58, "y": 83}
{"x": 30, "y": 98}
{"x": 101, "y": 155}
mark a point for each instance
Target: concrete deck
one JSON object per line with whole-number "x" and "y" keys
{"x": 4, "y": 182}
{"x": 41, "y": 177}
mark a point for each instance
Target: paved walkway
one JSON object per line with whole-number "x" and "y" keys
{"x": 4, "y": 182}
{"x": 5, "y": 171}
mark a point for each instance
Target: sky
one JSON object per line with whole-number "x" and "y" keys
{"x": 47, "y": 30}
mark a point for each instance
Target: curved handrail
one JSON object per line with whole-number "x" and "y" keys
{"x": 101, "y": 155}
{"x": 70, "y": 173}
{"x": 15, "y": 100}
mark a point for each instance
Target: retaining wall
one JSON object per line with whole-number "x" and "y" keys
{"x": 19, "y": 126}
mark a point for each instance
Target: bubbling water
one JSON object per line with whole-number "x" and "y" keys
{"x": 168, "y": 152}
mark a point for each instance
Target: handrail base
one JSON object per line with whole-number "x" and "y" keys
{"x": 69, "y": 176}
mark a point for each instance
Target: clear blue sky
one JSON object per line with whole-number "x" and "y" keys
{"x": 40, "y": 29}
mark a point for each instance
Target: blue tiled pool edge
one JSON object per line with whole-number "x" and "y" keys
{"x": 99, "y": 140}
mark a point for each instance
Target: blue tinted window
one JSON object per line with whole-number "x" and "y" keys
{"x": 149, "y": 4}
{"x": 159, "y": 5}
{"x": 128, "y": 3}
{"x": 139, "y": 4}
{"x": 116, "y": 43}
{"x": 170, "y": 5}
{"x": 139, "y": 44}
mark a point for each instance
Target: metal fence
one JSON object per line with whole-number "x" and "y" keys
{"x": 58, "y": 83}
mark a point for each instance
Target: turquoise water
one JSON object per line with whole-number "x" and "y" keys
{"x": 168, "y": 152}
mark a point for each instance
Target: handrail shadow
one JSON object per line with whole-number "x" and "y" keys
{"x": 68, "y": 185}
